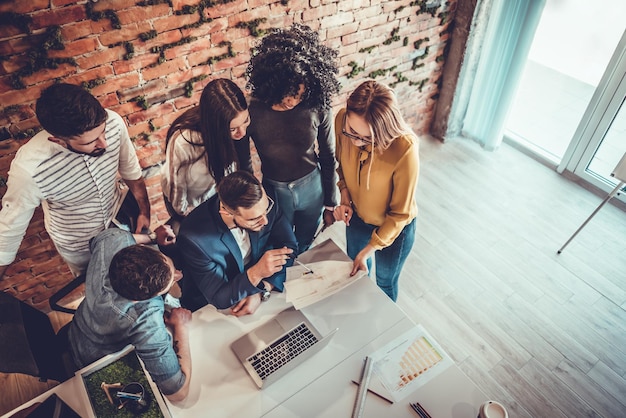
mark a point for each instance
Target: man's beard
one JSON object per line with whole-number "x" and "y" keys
{"x": 95, "y": 153}
{"x": 245, "y": 228}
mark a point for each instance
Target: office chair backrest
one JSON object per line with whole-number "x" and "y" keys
{"x": 28, "y": 343}
{"x": 70, "y": 289}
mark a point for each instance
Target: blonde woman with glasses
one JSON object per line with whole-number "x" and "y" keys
{"x": 378, "y": 170}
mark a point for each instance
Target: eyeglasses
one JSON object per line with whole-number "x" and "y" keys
{"x": 258, "y": 219}
{"x": 366, "y": 140}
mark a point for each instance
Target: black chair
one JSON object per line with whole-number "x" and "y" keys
{"x": 28, "y": 343}
{"x": 56, "y": 299}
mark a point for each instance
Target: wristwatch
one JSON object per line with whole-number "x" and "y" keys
{"x": 265, "y": 293}
{"x": 153, "y": 237}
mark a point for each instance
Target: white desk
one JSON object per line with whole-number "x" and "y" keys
{"x": 220, "y": 385}
{"x": 321, "y": 387}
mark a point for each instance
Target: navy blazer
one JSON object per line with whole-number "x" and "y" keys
{"x": 213, "y": 270}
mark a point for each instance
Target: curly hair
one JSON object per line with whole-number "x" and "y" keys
{"x": 139, "y": 272}
{"x": 286, "y": 58}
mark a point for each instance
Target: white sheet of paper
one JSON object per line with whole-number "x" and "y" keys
{"x": 304, "y": 288}
{"x": 408, "y": 362}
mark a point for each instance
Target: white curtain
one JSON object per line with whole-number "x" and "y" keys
{"x": 493, "y": 66}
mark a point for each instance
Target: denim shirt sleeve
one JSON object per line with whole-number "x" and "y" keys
{"x": 153, "y": 344}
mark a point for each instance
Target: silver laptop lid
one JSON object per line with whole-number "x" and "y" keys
{"x": 275, "y": 343}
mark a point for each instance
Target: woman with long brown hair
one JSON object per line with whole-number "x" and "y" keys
{"x": 203, "y": 145}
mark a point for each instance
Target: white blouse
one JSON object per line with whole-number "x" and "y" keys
{"x": 187, "y": 185}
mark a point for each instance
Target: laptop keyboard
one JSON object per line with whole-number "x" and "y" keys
{"x": 283, "y": 350}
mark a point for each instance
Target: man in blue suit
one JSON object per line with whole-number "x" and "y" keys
{"x": 235, "y": 247}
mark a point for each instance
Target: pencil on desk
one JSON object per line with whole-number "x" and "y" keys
{"x": 375, "y": 393}
{"x": 420, "y": 410}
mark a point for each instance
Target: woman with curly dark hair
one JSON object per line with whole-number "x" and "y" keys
{"x": 293, "y": 78}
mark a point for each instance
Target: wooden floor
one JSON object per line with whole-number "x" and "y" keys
{"x": 544, "y": 334}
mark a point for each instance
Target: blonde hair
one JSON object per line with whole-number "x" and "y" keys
{"x": 377, "y": 104}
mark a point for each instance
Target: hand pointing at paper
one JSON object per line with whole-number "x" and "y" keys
{"x": 360, "y": 261}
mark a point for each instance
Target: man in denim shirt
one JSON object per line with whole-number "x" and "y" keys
{"x": 123, "y": 305}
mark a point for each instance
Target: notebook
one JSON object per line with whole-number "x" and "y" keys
{"x": 273, "y": 349}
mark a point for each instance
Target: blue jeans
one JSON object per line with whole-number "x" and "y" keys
{"x": 302, "y": 202}
{"x": 389, "y": 260}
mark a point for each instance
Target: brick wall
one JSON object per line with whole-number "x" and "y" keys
{"x": 149, "y": 61}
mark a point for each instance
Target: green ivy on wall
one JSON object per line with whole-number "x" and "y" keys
{"x": 253, "y": 27}
{"x": 418, "y": 44}
{"x": 356, "y": 69}
{"x": 144, "y": 36}
{"x": 381, "y": 72}
{"x": 37, "y": 57}
{"x": 423, "y": 6}
{"x": 104, "y": 14}
{"x": 154, "y": 3}
{"x": 393, "y": 37}
{"x": 88, "y": 85}
{"x": 141, "y": 101}
{"x": 190, "y": 82}
{"x": 420, "y": 84}
{"x": 399, "y": 79}
{"x": 228, "y": 54}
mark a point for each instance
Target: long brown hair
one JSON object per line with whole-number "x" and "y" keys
{"x": 221, "y": 101}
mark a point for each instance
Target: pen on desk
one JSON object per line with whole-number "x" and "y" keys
{"x": 359, "y": 403}
{"x": 375, "y": 393}
{"x": 420, "y": 410}
{"x": 309, "y": 271}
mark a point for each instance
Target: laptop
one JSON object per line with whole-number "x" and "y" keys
{"x": 273, "y": 349}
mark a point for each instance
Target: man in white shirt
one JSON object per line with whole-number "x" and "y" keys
{"x": 72, "y": 168}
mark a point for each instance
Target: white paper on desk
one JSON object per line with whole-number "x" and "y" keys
{"x": 304, "y": 288}
{"x": 408, "y": 362}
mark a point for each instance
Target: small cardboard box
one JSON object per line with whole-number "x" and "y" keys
{"x": 120, "y": 369}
